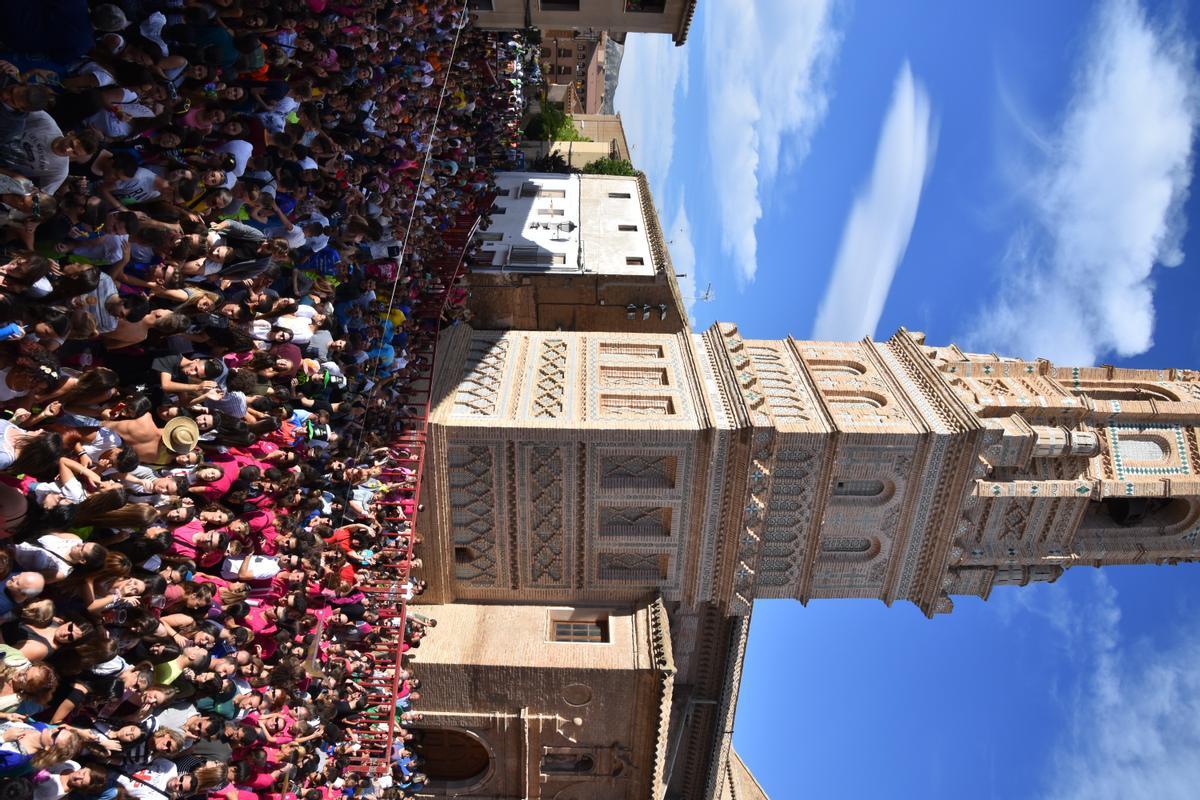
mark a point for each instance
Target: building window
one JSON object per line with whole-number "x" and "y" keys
{"x": 631, "y": 228}
{"x": 645, "y": 6}
{"x": 560, "y": 5}
{"x": 489, "y": 236}
{"x": 564, "y": 52}
{"x": 551, "y": 212}
{"x": 837, "y": 366}
{"x": 564, "y": 69}
{"x": 1104, "y": 390}
{"x": 561, "y": 760}
{"x": 1166, "y": 514}
{"x": 634, "y": 261}
{"x": 858, "y": 488}
{"x": 847, "y": 544}
{"x": 857, "y": 399}
{"x": 1144, "y": 449}
{"x": 619, "y": 195}
{"x": 533, "y": 256}
{"x": 552, "y": 193}
{"x": 498, "y": 209}
{"x": 594, "y": 631}
{"x": 480, "y": 5}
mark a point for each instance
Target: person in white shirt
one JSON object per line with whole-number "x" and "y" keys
{"x": 43, "y": 154}
{"x": 156, "y": 781}
{"x": 56, "y": 555}
{"x": 241, "y": 152}
{"x": 69, "y": 776}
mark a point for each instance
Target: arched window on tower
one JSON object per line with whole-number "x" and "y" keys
{"x": 849, "y": 488}
{"x": 1143, "y": 448}
{"x": 846, "y": 544}
{"x": 845, "y": 400}
{"x": 836, "y": 366}
{"x": 862, "y": 492}
{"x": 849, "y": 548}
{"x": 1166, "y": 513}
{"x": 1127, "y": 392}
{"x": 561, "y": 760}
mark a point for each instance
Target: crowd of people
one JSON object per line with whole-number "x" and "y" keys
{"x": 230, "y": 231}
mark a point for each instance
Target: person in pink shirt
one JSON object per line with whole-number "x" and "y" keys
{"x": 212, "y": 481}
{"x": 192, "y": 541}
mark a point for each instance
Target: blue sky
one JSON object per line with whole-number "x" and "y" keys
{"x": 1010, "y": 176}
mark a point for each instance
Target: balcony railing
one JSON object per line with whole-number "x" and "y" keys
{"x": 385, "y": 587}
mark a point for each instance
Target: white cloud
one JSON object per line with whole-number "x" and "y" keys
{"x": 1106, "y": 203}
{"x": 683, "y": 253}
{"x": 653, "y": 71}
{"x": 882, "y": 217}
{"x": 1135, "y": 721}
{"x": 766, "y": 66}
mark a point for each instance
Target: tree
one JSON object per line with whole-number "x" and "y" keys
{"x": 611, "y": 166}
{"x": 552, "y": 125}
{"x": 553, "y": 162}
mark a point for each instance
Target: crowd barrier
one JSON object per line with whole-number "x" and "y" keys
{"x": 376, "y": 728}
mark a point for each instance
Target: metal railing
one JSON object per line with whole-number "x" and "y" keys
{"x": 386, "y": 588}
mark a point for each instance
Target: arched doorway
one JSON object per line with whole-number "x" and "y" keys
{"x": 452, "y": 755}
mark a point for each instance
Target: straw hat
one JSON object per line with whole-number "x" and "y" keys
{"x": 180, "y": 435}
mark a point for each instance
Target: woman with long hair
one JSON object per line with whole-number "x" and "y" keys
{"x": 26, "y": 689}
{"x": 25, "y": 748}
{"x": 25, "y": 452}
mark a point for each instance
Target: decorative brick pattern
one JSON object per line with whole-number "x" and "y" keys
{"x": 483, "y": 374}
{"x": 631, "y": 349}
{"x": 636, "y": 405}
{"x": 941, "y": 462}
{"x": 1131, "y": 448}
{"x": 636, "y": 377}
{"x": 473, "y": 513}
{"x": 638, "y": 472}
{"x": 634, "y": 568}
{"x": 546, "y": 519}
{"x": 634, "y": 522}
{"x": 550, "y": 380}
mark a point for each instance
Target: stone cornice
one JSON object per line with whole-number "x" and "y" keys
{"x": 949, "y": 408}
{"x": 926, "y": 591}
{"x": 824, "y": 479}
{"x": 723, "y": 741}
{"x": 654, "y": 234}
{"x": 664, "y": 664}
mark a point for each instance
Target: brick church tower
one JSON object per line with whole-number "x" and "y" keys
{"x": 605, "y": 507}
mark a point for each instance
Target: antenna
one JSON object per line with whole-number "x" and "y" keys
{"x": 706, "y": 296}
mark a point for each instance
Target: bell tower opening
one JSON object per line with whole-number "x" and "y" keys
{"x": 1153, "y": 512}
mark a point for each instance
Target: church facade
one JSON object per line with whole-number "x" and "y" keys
{"x": 604, "y": 508}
